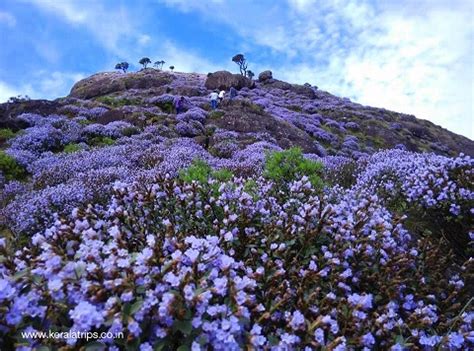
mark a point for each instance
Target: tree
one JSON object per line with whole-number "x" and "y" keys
{"x": 159, "y": 64}
{"x": 123, "y": 66}
{"x": 171, "y": 68}
{"x": 144, "y": 61}
{"x": 250, "y": 74}
{"x": 242, "y": 62}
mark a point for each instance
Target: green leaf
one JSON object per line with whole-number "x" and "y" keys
{"x": 160, "y": 345}
{"x": 183, "y": 348}
{"x": 43, "y": 348}
{"x": 126, "y": 309}
{"x": 136, "y": 306}
{"x": 21, "y": 274}
{"x": 184, "y": 326}
{"x": 80, "y": 269}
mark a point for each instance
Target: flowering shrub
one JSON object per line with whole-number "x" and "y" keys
{"x": 173, "y": 264}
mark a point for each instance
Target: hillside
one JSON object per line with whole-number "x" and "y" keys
{"x": 285, "y": 219}
{"x": 281, "y": 113}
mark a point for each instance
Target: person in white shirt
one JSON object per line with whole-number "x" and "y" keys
{"x": 214, "y": 96}
{"x": 221, "y": 95}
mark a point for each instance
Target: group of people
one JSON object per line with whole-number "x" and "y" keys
{"x": 216, "y": 98}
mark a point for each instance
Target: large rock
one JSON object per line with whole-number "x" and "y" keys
{"x": 296, "y": 88}
{"x": 265, "y": 75}
{"x": 224, "y": 80}
{"x": 110, "y": 82}
{"x": 9, "y": 112}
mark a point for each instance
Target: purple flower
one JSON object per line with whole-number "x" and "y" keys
{"x": 297, "y": 320}
{"x": 85, "y": 316}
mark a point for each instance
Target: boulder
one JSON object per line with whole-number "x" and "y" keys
{"x": 224, "y": 80}
{"x": 109, "y": 82}
{"x": 296, "y": 88}
{"x": 265, "y": 75}
{"x": 9, "y": 112}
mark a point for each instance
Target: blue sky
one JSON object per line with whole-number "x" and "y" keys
{"x": 409, "y": 56}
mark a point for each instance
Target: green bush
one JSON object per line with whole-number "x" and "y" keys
{"x": 118, "y": 102}
{"x": 101, "y": 141}
{"x": 6, "y": 134}
{"x": 10, "y": 168}
{"x": 289, "y": 165}
{"x": 166, "y": 107}
{"x": 70, "y": 148}
{"x": 200, "y": 171}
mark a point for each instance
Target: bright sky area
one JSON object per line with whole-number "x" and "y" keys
{"x": 408, "y": 56}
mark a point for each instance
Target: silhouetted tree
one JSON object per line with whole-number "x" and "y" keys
{"x": 123, "y": 66}
{"x": 144, "y": 61}
{"x": 159, "y": 64}
{"x": 171, "y": 68}
{"x": 242, "y": 62}
{"x": 250, "y": 74}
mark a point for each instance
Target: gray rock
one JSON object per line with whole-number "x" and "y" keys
{"x": 265, "y": 75}
{"x": 224, "y": 80}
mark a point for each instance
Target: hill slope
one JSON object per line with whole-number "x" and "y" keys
{"x": 279, "y": 112}
{"x": 197, "y": 231}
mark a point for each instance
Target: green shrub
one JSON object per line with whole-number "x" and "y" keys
{"x": 70, "y": 148}
{"x": 166, "y": 107}
{"x": 10, "y": 168}
{"x": 200, "y": 171}
{"x": 84, "y": 122}
{"x": 289, "y": 165}
{"x": 118, "y": 102}
{"x": 101, "y": 141}
{"x": 6, "y": 134}
{"x": 223, "y": 175}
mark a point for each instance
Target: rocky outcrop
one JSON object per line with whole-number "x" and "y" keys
{"x": 296, "y": 88}
{"x": 9, "y": 111}
{"x": 110, "y": 82}
{"x": 223, "y": 80}
{"x": 265, "y": 76}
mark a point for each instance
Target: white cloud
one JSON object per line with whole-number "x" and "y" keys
{"x": 7, "y": 91}
{"x": 52, "y": 85}
{"x": 413, "y": 58}
{"x": 144, "y": 39}
{"x": 184, "y": 60}
{"x": 42, "y": 85}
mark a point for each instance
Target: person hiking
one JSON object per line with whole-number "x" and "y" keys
{"x": 179, "y": 104}
{"x": 214, "y": 96}
{"x": 232, "y": 92}
{"x": 221, "y": 96}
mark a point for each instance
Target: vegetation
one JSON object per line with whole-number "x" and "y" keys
{"x": 290, "y": 165}
{"x": 250, "y": 74}
{"x": 5, "y": 134}
{"x": 123, "y": 66}
{"x": 171, "y": 68}
{"x": 73, "y": 147}
{"x": 240, "y": 60}
{"x": 159, "y": 64}
{"x": 10, "y": 168}
{"x": 144, "y": 61}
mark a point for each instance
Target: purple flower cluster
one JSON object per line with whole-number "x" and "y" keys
{"x": 229, "y": 267}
